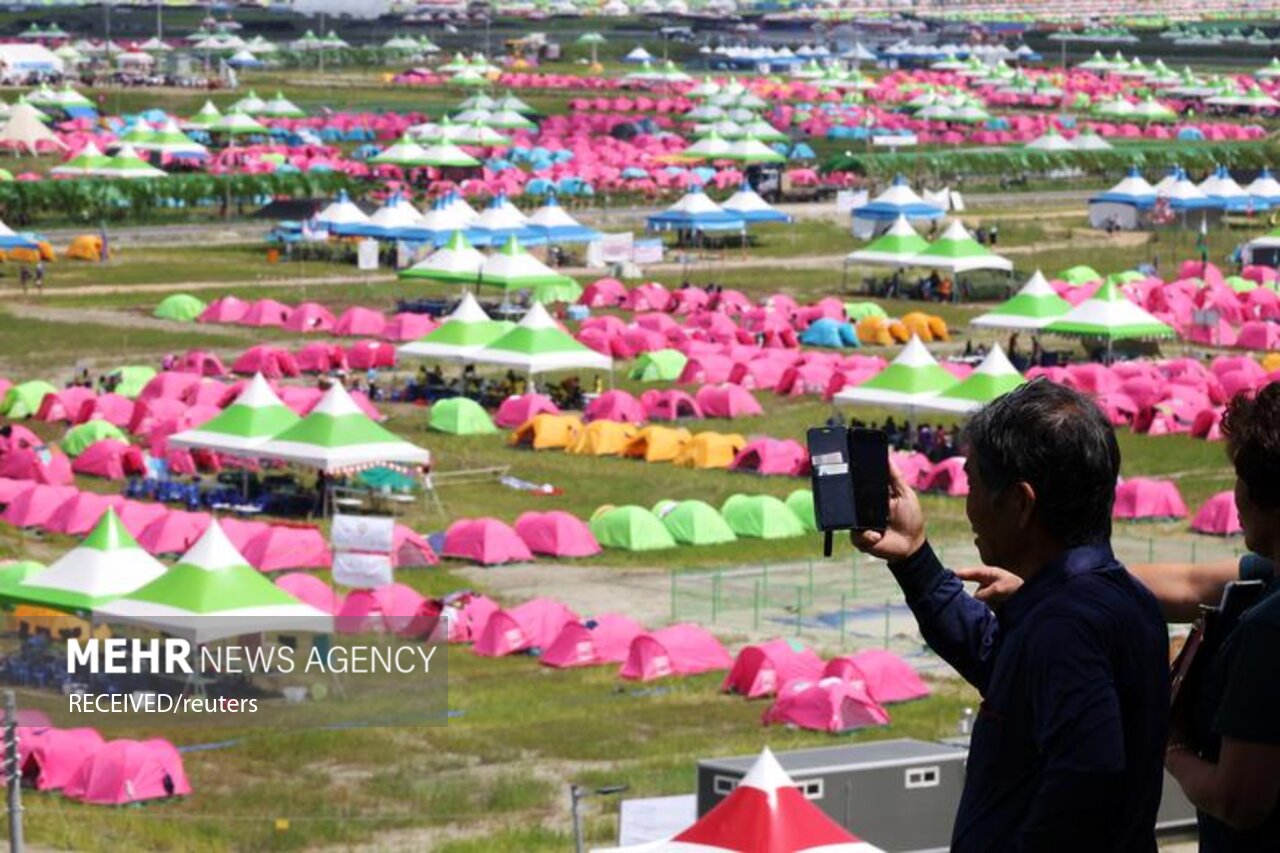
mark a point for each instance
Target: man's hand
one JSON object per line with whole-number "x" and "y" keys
{"x": 994, "y": 585}
{"x": 905, "y": 533}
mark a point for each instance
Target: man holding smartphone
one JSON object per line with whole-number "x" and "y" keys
{"x": 1067, "y": 747}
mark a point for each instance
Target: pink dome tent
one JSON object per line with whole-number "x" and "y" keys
{"x": 266, "y": 312}
{"x": 78, "y": 514}
{"x": 410, "y": 549}
{"x": 363, "y": 355}
{"x": 772, "y": 456}
{"x": 202, "y": 363}
{"x": 684, "y": 649}
{"x": 129, "y": 771}
{"x": 408, "y": 327}
{"x": 174, "y": 532}
{"x": 18, "y": 438}
{"x": 34, "y": 507}
{"x": 228, "y": 309}
{"x": 10, "y": 489}
{"x": 669, "y": 405}
{"x": 462, "y": 618}
{"x": 888, "y": 678}
{"x": 284, "y": 547}
{"x": 615, "y": 406}
{"x": 1218, "y": 516}
{"x": 515, "y": 410}
{"x": 727, "y": 401}
{"x": 111, "y": 459}
{"x": 948, "y": 477}
{"x": 827, "y": 705}
{"x": 112, "y": 408}
{"x": 761, "y": 670}
{"x": 321, "y": 357}
{"x": 603, "y": 639}
{"x": 136, "y": 516}
{"x": 45, "y": 466}
{"x": 169, "y": 384}
{"x": 360, "y": 322}
{"x": 486, "y": 541}
{"x": 1144, "y": 498}
{"x": 272, "y": 362}
{"x": 63, "y": 405}
{"x": 310, "y": 317}
{"x": 532, "y": 625}
{"x": 557, "y": 534}
{"x": 309, "y": 589}
{"x": 57, "y": 754}
{"x": 391, "y": 608}
{"x": 603, "y": 293}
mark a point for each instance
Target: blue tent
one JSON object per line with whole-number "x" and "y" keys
{"x": 554, "y": 225}
{"x": 898, "y": 200}
{"x": 1133, "y": 191}
{"x": 1191, "y": 134}
{"x": 481, "y": 233}
{"x": 696, "y": 212}
{"x": 825, "y": 332}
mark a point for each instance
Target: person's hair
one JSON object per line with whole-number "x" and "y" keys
{"x": 1251, "y": 426}
{"x": 1057, "y": 441}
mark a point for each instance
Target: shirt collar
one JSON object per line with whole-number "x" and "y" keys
{"x": 1079, "y": 560}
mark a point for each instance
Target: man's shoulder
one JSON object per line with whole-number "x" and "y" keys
{"x": 1104, "y": 595}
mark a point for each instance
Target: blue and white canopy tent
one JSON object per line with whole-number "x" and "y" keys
{"x": 1124, "y": 203}
{"x": 555, "y": 225}
{"x": 748, "y": 204}
{"x": 696, "y": 212}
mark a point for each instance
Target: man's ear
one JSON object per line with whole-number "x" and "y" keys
{"x": 1022, "y": 497}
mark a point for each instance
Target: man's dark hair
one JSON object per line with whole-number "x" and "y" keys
{"x": 1251, "y": 426}
{"x": 1056, "y": 440}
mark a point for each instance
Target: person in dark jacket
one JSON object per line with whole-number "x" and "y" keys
{"x": 1068, "y": 743}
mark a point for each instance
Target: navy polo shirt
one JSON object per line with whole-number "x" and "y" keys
{"x": 1067, "y": 749}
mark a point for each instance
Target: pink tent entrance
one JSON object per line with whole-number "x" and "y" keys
{"x": 532, "y": 625}
{"x": 556, "y": 533}
{"x": 486, "y": 541}
{"x": 63, "y": 405}
{"x": 77, "y": 515}
{"x": 309, "y": 589}
{"x": 281, "y": 547}
{"x": 683, "y": 649}
{"x": 727, "y": 401}
{"x": 600, "y": 640}
{"x": 392, "y": 608}
{"x": 1218, "y": 516}
{"x": 129, "y": 771}
{"x": 42, "y": 465}
{"x": 762, "y": 669}
{"x": 34, "y": 508}
{"x": 615, "y": 406}
{"x": 827, "y": 705}
{"x": 56, "y": 755}
{"x": 1143, "y": 498}
{"x": 310, "y": 317}
{"x": 772, "y": 456}
{"x": 767, "y": 813}
{"x": 266, "y": 312}
{"x": 888, "y": 677}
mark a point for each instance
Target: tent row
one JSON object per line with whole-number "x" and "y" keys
{"x": 84, "y": 767}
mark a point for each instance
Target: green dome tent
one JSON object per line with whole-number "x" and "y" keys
{"x": 761, "y": 517}
{"x": 664, "y": 365}
{"x": 695, "y": 522}
{"x": 78, "y": 438}
{"x": 460, "y": 416}
{"x": 631, "y": 528}
{"x": 23, "y": 401}
{"x": 800, "y": 502}
{"x": 132, "y": 379}
{"x": 180, "y": 307}
{"x": 856, "y": 311}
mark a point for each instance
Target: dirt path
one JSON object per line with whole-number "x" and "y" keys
{"x": 118, "y": 319}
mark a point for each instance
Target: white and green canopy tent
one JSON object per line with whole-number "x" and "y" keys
{"x": 446, "y": 155}
{"x": 405, "y": 153}
{"x": 956, "y": 251}
{"x": 539, "y": 345}
{"x": 169, "y": 139}
{"x": 710, "y": 147}
{"x": 993, "y": 377}
{"x": 512, "y": 268}
{"x": 109, "y": 563}
{"x": 1035, "y": 306}
{"x": 127, "y": 164}
{"x": 281, "y": 107}
{"x": 212, "y": 593}
{"x": 912, "y": 377}
{"x": 466, "y": 331}
{"x": 208, "y": 116}
{"x": 250, "y": 421}
{"x": 250, "y": 104}
{"x": 337, "y": 436}
{"x": 897, "y": 247}
{"x": 237, "y": 123}
{"x": 1108, "y": 315}
{"x": 87, "y": 162}
{"x": 141, "y": 131}
{"x": 457, "y": 262}
{"x": 752, "y": 150}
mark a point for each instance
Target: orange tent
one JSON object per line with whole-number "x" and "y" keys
{"x": 918, "y": 322}
{"x": 710, "y": 450}
{"x": 547, "y": 432}
{"x": 658, "y": 444}
{"x": 874, "y": 330}
{"x": 603, "y": 438}
{"x": 86, "y": 247}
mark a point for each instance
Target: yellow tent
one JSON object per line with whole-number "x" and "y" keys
{"x": 29, "y": 621}
{"x": 938, "y": 327}
{"x": 547, "y": 432}
{"x": 658, "y": 444}
{"x": 86, "y": 247}
{"x": 603, "y": 438}
{"x": 875, "y": 331}
{"x": 710, "y": 450}
{"x": 918, "y": 322}
{"x": 899, "y": 332}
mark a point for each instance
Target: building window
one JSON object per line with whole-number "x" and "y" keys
{"x": 811, "y": 788}
{"x": 923, "y": 777}
{"x": 724, "y": 785}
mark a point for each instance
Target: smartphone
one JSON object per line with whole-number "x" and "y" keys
{"x": 832, "y": 478}
{"x": 869, "y": 464}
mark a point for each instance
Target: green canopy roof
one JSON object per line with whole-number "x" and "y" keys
{"x": 995, "y": 376}
{"x": 1033, "y": 307}
{"x": 538, "y": 344}
{"x": 467, "y": 330}
{"x": 512, "y": 268}
{"x": 1108, "y": 314}
{"x": 107, "y": 564}
{"x": 255, "y": 416}
{"x": 911, "y": 377}
{"x": 212, "y": 593}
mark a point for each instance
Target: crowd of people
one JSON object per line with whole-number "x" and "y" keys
{"x": 936, "y": 442}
